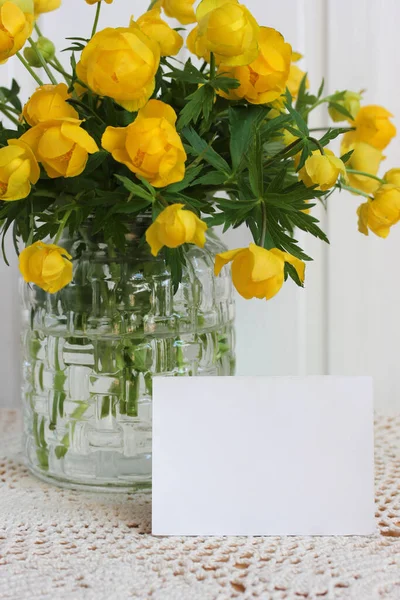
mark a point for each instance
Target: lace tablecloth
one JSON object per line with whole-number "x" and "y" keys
{"x": 60, "y": 544}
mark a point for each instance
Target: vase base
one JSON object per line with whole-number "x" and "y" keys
{"x": 123, "y": 487}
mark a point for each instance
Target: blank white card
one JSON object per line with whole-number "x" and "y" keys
{"x": 263, "y": 456}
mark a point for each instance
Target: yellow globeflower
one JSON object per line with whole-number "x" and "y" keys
{"x": 150, "y": 146}
{"x": 48, "y": 103}
{"x": 351, "y": 102}
{"x": 365, "y": 158}
{"x": 381, "y": 213}
{"x": 61, "y": 146}
{"x": 321, "y": 170}
{"x": 121, "y": 63}
{"x": 174, "y": 227}
{"x": 15, "y": 27}
{"x": 257, "y": 272}
{"x": 228, "y": 30}
{"x": 266, "y": 78}
{"x": 154, "y": 27}
{"x": 47, "y": 266}
{"x": 374, "y": 127}
{"x": 18, "y": 169}
{"x": 182, "y": 10}
{"x": 44, "y": 6}
{"x": 393, "y": 177}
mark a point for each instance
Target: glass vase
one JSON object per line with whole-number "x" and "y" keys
{"x": 91, "y": 350}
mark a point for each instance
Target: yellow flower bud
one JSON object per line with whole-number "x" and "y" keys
{"x": 374, "y": 127}
{"x": 49, "y": 103}
{"x": 182, "y": 10}
{"x": 393, "y": 177}
{"x": 154, "y": 27}
{"x": 321, "y": 170}
{"x": 18, "y": 169}
{"x": 257, "y": 272}
{"x": 365, "y": 158}
{"x": 174, "y": 227}
{"x": 296, "y": 76}
{"x": 45, "y": 47}
{"x": 265, "y": 79}
{"x": 381, "y": 213}
{"x": 15, "y": 27}
{"x": 61, "y": 146}
{"x": 44, "y": 6}
{"x": 351, "y": 102}
{"x": 228, "y": 30}
{"x": 150, "y": 146}
{"x": 121, "y": 63}
{"x": 47, "y": 266}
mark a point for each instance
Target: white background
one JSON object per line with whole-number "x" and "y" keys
{"x": 347, "y": 320}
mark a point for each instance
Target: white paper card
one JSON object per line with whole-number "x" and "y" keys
{"x": 263, "y": 456}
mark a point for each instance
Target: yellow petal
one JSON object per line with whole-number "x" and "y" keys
{"x": 224, "y": 258}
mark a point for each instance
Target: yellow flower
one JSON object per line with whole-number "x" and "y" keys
{"x": 182, "y": 10}
{"x": 322, "y": 170}
{"x": 351, "y": 102}
{"x": 393, "y": 177}
{"x": 47, "y": 266}
{"x": 265, "y": 79}
{"x": 48, "y": 103}
{"x": 44, "y": 6}
{"x": 256, "y": 272}
{"x": 150, "y": 146}
{"x": 18, "y": 169}
{"x": 228, "y": 30}
{"x": 374, "y": 127}
{"x": 174, "y": 227}
{"x": 61, "y": 146}
{"x": 154, "y": 27}
{"x": 365, "y": 158}
{"x": 121, "y": 63}
{"x": 379, "y": 214}
{"x": 295, "y": 78}
{"x": 15, "y": 27}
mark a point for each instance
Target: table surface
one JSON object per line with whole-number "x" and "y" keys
{"x": 61, "y": 544}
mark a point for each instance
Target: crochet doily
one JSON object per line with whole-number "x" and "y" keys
{"x": 60, "y": 544}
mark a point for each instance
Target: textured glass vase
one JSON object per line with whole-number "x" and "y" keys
{"x": 91, "y": 351}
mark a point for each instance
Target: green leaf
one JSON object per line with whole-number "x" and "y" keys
{"x": 346, "y": 157}
{"x": 205, "y": 151}
{"x": 333, "y": 133}
{"x": 176, "y": 260}
{"x": 95, "y": 161}
{"x": 189, "y": 74}
{"x": 292, "y": 273}
{"x": 298, "y": 119}
{"x": 199, "y": 103}
{"x": 224, "y": 83}
{"x": 135, "y": 189}
{"x": 342, "y": 110}
{"x": 212, "y": 178}
{"x": 242, "y": 125}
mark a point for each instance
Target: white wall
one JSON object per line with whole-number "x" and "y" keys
{"x": 346, "y": 320}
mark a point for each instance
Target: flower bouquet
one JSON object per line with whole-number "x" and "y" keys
{"x": 112, "y": 178}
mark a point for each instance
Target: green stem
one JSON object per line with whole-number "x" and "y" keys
{"x": 43, "y": 62}
{"x": 364, "y": 174}
{"x": 9, "y": 116}
{"x": 62, "y": 226}
{"x": 264, "y": 224}
{"x": 37, "y": 29}
{"x": 152, "y": 4}
{"x": 67, "y": 77}
{"x": 28, "y": 68}
{"x": 212, "y": 66}
{"x": 318, "y": 144}
{"x": 349, "y": 188}
{"x": 96, "y": 19}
